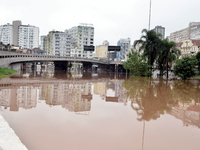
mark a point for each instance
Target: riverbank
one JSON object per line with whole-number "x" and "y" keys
{"x": 5, "y": 72}
{"x": 8, "y": 139}
{"x": 197, "y": 77}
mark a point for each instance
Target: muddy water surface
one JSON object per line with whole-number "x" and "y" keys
{"x": 101, "y": 111}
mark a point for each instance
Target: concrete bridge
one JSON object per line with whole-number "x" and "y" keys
{"x": 8, "y": 58}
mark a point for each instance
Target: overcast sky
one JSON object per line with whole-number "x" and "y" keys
{"x": 112, "y": 19}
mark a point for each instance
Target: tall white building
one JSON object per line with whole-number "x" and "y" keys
{"x": 28, "y": 36}
{"x": 61, "y": 44}
{"x": 83, "y": 35}
{"x": 125, "y": 45}
{"x": 6, "y": 34}
{"x": 74, "y": 50}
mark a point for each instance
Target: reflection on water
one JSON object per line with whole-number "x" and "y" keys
{"x": 149, "y": 98}
{"x": 152, "y": 98}
{"x": 111, "y": 107}
{"x": 74, "y": 95}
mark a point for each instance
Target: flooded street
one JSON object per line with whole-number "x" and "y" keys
{"x": 101, "y": 111}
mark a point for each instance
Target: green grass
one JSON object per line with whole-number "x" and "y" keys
{"x": 196, "y": 77}
{"x": 5, "y": 72}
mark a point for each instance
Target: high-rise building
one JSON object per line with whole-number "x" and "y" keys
{"x": 179, "y": 36}
{"x": 16, "y": 25}
{"x": 191, "y": 32}
{"x": 74, "y": 50}
{"x": 125, "y": 45}
{"x": 28, "y": 36}
{"x": 194, "y": 31}
{"x": 25, "y": 36}
{"x": 83, "y": 35}
{"x": 6, "y": 33}
{"x": 57, "y": 43}
{"x": 42, "y": 41}
{"x": 160, "y": 30}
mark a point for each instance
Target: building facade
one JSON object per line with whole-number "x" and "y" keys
{"x": 57, "y": 43}
{"x": 191, "y": 32}
{"x": 83, "y": 35}
{"x": 28, "y": 36}
{"x": 25, "y": 36}
{"x": 101, "y": 52}
{"x": 74, "y": 50}
{"x": 61, "y": 44}
{"x": 188, "y": 47}
{"x": 125, "y": 46}
{"x": 160, "y": 30}
{"x": 6, "y": 33}
{"x": 42, "y": 42}
{"x": 16, "y": 25}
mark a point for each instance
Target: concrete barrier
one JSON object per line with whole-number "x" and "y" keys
{"x": 8, "y": 139}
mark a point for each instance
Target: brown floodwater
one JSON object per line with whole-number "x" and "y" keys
{"x": 101, "y": 111}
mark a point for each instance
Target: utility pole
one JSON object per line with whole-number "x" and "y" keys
{"x": 149, "y": 14}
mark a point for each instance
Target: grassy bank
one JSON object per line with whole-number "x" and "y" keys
{"x": 197, "y": 77}
{"x": 5, "y": 72}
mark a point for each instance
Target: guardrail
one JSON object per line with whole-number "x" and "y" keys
{"x": 21, "y": 55}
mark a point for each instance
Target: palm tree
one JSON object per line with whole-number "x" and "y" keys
{"x": 168, "y": 54}
{"x": 149, "y": 43}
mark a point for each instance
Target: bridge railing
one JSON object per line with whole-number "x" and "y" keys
{"x": 12, "y": 55}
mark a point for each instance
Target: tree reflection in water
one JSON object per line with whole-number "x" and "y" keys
{"x": 187, "y": 91}
{"x": 152, "y": 98}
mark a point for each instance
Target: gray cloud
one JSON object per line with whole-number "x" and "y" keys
{"x": 112, "y": 19}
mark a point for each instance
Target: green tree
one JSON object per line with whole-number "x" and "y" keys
{"x": 198, "y": 59}
{"x": 168, "y": 54}
{"x": 70, "y": 65}
{"x": 185, "y": 67}
{"x": 149, "y": 43}
{"x": 136, "y": 65}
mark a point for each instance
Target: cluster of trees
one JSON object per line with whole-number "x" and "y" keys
{"x": 152, "y": 50}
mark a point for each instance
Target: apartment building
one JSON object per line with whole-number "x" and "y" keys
{"x": 191, "y": 32}
{"x": 57, "y": 43}
{"x": 28, "y": 36}
{"x": 83, "y": 35}
{"x": 25, "y": 36}
{"x": 125, "y": 46}
{"x": 6, "y": 33}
